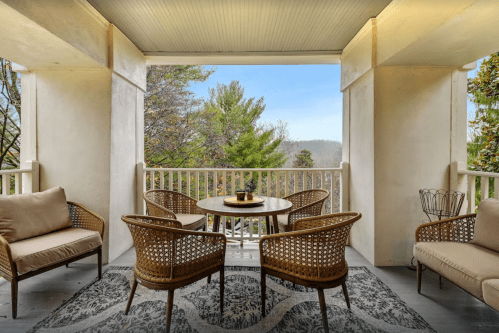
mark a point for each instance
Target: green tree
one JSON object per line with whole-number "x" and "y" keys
{"x": 483, "y": 148}
{"x": 242, "y": 142}
{"x": 303, "y": 159}
{"x": 10, "y": 116}
{"x": 173, "y": 116}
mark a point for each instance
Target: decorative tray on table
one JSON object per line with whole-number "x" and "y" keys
{"x": 234, "y": 202}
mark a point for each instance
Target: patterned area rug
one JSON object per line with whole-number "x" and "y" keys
{"x": 100, "y": 306}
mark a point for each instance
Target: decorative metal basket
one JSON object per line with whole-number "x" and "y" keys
{"x": 441, "y": 203}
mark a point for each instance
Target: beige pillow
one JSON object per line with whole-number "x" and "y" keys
{"x": 28, "y": 215}
{"x": 487, "y": 225}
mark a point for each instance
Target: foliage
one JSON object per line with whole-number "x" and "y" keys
{"x": 10, "y": 116}
{"x": 483, "y": 147}
{"x": 242, "y": 141}
{"x": 250, "y": 186}
{"x": 483, "y": 150}
{"x": 173, "y": 116}
{"x": 303, "y": 160}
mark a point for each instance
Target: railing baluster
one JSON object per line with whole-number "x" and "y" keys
{"x": 6, "y": 184}
{"x": 188, "y": 179}
{"x": 471, "y": 194}
{"x": 295, "y": 179}
{"x": 259, "y": 193}
{"x": 17, "y": 183}
{"x": 484, "y": 187}
{"x": 269, "y": 180}
{"x": 151, "y": 178}
{"x": 286, "y": 184}
{"x": 161, "y": 180}
{"x": 314, "y": 184}
{"x": 332, "y": 193}
{"x": 179, "y": 182}
{"x": 197, "y": 185}
{"x": 170, "y": 180}
{"x": 305, "y": 181}
{"x": 323, "y": 180}
{"x": 206, "y": 194}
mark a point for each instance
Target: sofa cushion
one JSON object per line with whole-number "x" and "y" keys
{"x": 487, "y": 225}
{"x": 38, "y": 252}
{"x": 467, "y": 265}
{"x": 28, "y": 215}
{"x": 491, "y": 293}
{"x": 191, "y": 221}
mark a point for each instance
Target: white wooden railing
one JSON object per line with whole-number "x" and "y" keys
{"x": 202, "y": 183}
{"x": 486, "y": 180}
{"x": 17, "y": 181}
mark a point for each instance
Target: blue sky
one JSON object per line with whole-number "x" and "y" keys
{"x": 308, "y": 97}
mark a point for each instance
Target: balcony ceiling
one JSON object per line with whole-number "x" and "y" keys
{"x": 167, "y": 27}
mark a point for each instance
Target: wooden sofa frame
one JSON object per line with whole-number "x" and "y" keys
{"x": 83, "y": 218}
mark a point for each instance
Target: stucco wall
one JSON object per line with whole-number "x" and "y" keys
{"x": 362, "y": 190}
{"x": 73, "y": 136}
{"x": 122, "y": 163}
{"x": 412, "y": 135}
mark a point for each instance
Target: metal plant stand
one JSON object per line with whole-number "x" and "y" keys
{"x": 440, "y": 204}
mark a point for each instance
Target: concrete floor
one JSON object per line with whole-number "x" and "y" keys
{"x": 449, "y": 309}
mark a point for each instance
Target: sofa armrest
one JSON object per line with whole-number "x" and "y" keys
{"x": 457, "y": 229}
{"x": 84, "y": 218}
{"x": 6, "y": 263}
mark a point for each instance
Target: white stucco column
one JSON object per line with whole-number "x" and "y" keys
{"x": 403, "y": 127}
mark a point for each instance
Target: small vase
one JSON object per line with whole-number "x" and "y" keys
{"x": 249, "y": 196}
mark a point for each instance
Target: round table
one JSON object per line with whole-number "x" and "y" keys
{"x": 270, "y": 207}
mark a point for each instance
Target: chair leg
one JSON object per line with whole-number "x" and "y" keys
{"x": 222, "y": 289}
{"x": 169, "y": 309}
{"x": 67, "y": 265}
{"x": 132, "y": 293}
{"x": 322, "y": 302}
{"x": 209, "y": 278}
{"x": 345, "y": 292}
{"x": 13, "y": 291}
{"x": 419, "y": 270}
{"x": 263, "y": 287}
{"x": 440, "y": 281}
{"x": 99, "y": 262}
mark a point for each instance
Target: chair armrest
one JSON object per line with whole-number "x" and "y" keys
{"x": 456, "y": 229}
{"x": 154, "y": 209}
{"x": 6, "y": 263}
{"x": 321, "y": 221}
{"x": 84, "y": 218}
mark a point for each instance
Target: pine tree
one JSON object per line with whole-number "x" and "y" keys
{"x": 243, "y": 142}
{"x": 303, "y": 159}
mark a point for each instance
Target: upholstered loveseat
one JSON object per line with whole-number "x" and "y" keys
{"x": 42, "y": 231}
{"x": 465, "y": 250}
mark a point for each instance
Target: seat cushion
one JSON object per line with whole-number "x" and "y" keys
{"x": 28, "y": 215}
{"x": 486, "y": 232}
{"x": 467, "y": 265}
{"x": 42, "y": 251}
{"x": 491, "y": 293}
{"x": 282, "y": 220}
{"x": 191, "y": 221}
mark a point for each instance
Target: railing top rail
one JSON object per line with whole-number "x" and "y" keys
{"x": 12, "y": 171}
{"x": 243, "y": 169}
{"x": 478, "y": 173}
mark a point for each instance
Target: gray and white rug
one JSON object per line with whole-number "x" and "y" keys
{"x": 100, "y": 306}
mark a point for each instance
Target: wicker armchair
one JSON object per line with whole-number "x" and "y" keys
{"x": 457, "y": 229}
{"x": 82, "y": 218}
{"x": 305, "y": 204}
{"x": 313, "y": 255}
{"x": 177, "y": 206}
{"x": 169, "y": 257}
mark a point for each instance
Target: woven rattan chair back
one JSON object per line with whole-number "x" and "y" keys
{"x": 176, "y": 202}
{"x": 306, "y": 204}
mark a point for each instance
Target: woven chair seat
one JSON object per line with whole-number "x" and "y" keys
{"x": 191, "y": 221}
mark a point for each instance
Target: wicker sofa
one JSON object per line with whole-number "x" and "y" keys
{"x": 465, "y": 250}
{"x": 42, "y": 231}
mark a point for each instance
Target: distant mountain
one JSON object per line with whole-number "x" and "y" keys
{"x": 325, "y": 153}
